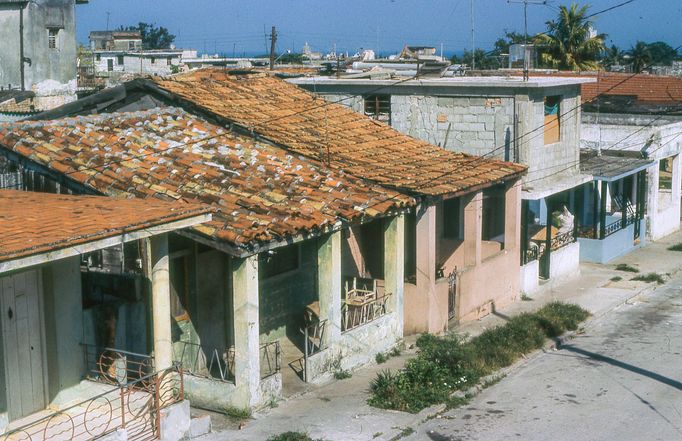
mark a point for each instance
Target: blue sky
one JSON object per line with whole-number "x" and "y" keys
{"x": 227, "y": 25}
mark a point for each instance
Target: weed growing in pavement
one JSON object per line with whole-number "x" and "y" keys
{"x": 676, "y": 247}
{"x": 526, "y": 298}
{"x": 292, "y": 436}
{"x": 447, "y": 364}
{"x": 381, "y": 358}
{"x": 651, "y": 277}
{"x": 237, "y": 413}
{"x": 616, "y": 279}
{"x": 342, "y": 374}
{"x": 627, "y": 268}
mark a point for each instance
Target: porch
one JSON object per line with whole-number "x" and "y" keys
{"x": 615, "y": 223}
{"x": 459, "y": 260}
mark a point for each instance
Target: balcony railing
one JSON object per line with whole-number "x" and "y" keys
{"x": 561, "y": 240}
{"x": 202, "y": 361}
{"x": 212, "y": 363}
{"x": 134, "y": 406}
{"x": 357, "y": 311}
{"x": 115, "y": 366}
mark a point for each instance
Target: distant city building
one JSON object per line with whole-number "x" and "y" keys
{"x": 37, "y": 54}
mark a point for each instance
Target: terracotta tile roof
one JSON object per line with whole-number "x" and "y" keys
{"x": 264, "y": 193}
{"x": 35, "y": 223}
{"x": 652, "y": 89}
{"x": 331, "y": 133}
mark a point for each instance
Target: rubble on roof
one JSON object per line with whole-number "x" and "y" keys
{"x": 264, "y": 193}
{"x": 333, "y": 134}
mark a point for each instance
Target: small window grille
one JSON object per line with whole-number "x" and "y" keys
{"x": 52, "y": 34}
{"x": 378, "y": 107}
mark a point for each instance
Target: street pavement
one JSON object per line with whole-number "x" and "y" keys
{"x": 621, "y": 380}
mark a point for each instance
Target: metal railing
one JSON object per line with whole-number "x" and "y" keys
{"x": 452, "y": 294}
{"x": 270, "y": 359}
{"x": 115, "y": 366}
{"x": 358, "y": 313}
{"x": 313, "y": 342}
{"x": 563, "y": 239}
{"x": 531, "y": 254}
{"x": 613, "y": 227}
{"x": 134, "y": 406}
{"x": 202, "y": 361}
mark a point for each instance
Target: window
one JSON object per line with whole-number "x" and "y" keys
{"x": 131, "y": 45}
{"x": 279, "y": 261}
{"x": 110, "y": 64}
{"x": 119, "y": 60}
{"x": 52, "y": 38}
{"x": 98, "y": 57}
{"x": 153, "y": 60}
{"x": 179, "y": 285}
{"x": 552, "y": 119}
{"x": 378, "y": 107}
{"x": 451, "y": 219}
{"x": 493, "y": 217}
{"x": 169, "y": 61}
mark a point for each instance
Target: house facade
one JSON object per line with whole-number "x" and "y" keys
{"x": 535, "y": 123}
{"x": 56, "y": 356}
{"x": 297, "y": 276}
{"x": 38, "y": 53}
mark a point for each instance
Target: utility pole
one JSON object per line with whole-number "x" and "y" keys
{"x": 473, "y": 38}
{"x": 108, "y": 14}
{"x": 526, "y": 52}
{"x": 273, "y": 42}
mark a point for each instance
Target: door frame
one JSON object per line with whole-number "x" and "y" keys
{"x": 43, "y": 346}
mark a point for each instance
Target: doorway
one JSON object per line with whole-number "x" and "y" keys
{"x": 22, "y": 330}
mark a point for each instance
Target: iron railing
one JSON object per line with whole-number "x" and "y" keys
{"x": 202, "y": 361}
{"x": 452, "y": 294}
{"x": 563, "y": 239}
{"x": 357, "y": 313}
{"x": 115, "y": 366}
{"x": 531, "y": 254}
{"x": 134, "y": 406}
{"x": 270, "y": 359}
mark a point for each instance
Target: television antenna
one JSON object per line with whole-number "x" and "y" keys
{"x": 526, "y": 53}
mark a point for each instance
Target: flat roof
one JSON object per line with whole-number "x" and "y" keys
{"x": 476, "y": 81}
{"x": 611, "y": 168}
{"x": 40, "y": 227}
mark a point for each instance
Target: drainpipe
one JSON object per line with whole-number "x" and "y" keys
{"x": 21, "y": 44}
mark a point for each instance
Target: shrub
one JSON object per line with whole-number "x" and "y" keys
{"x": 292, "y": 436}
{"x": 676, "y": 247}
{"x": 616, "y": 279}
{"x": 381, "y": 358}
{"x": 446, "y": 364}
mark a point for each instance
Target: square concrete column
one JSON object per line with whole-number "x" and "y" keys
{"x": 161, "y": 311}
{"x": 512, "y": 215}
{"x": 652, "y": 190}
{"x": 473, "y": 228}
{"x": 426, "y": 264}
{"x": 676, "y": 180}
{"x": 394, "y": 265}
{"x": 329, "y": 284}
{"x": 246, "y": 330}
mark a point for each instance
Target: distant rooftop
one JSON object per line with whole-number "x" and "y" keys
{"x": 474, "y": 81}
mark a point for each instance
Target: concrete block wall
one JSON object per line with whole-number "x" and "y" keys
{"x": 475, "y": 125}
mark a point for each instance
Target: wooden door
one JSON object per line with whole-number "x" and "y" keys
{"x": 23, "y": 343}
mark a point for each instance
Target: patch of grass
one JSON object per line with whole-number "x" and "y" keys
{"x": 292, "y": 436}
{"x": 454, "y": 402}
{"x": 651, "y": 277}
{"x": 447, "y": 364}
{"x": 381, "y": 358}
{"x": 676, "y": 247}
{"x": 377, "y": 435}
{"x": 616, "y": 279}
{"x": 238, "y": 413}
{"x": 342, "y": 374}
{"x": 526, "y": 298}
{"x": 396, "y": 351}
{"x": 627, "y": 268}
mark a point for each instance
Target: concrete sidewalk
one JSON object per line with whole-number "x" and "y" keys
{"x": 339, "y": 410}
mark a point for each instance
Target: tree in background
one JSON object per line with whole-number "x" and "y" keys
{"x": 569, "y": 42}
{"x": 662, "y": 53}
{"x": 640, "y": 56}
{"x": 613, "y": 56}
{"x": 493, "y": 59}
{"x": 153, "y": 37}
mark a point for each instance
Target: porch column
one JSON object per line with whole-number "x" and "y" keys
{"x": 473, "y": 228}
{"x": 676, "y": 182}
{"x": 394, "y": 266}
{"x": 602, "y": 210}
{"x": 512, "y": 215}
{"x": 426, "y": 263}
{"x": 246, "y": 330}
{"x": 161, "y": 311}
{"x": 329, "y": 284}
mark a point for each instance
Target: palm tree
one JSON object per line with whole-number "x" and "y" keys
{"x": 640, "y": 56}
{"x": 613, "y": 56}
{"x": 570, "y": 42}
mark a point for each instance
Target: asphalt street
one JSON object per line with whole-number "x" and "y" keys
{"x": 620, "y": 380}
